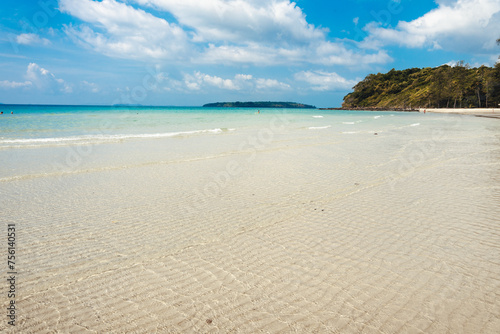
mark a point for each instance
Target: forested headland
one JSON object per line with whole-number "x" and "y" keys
{"x": 458, "y": 86}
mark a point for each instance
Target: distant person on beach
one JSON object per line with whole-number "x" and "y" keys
{"x": 1, "y": 112}
{"x": 12, "y": 113}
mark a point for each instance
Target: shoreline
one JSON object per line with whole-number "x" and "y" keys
{"x": 462, "y": 110}
{"x": 373, "y": 109}
{"x": 478, "y": 112}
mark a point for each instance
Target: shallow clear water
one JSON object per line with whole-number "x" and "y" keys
{"x": 151, "y": 219}
{"x": 50, "y": 125}
{"x": 46, "y": 140}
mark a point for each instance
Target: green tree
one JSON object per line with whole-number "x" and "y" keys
{"x": 494, "y": 85}
{"x": 428, "y": 87}
{"x": 460, "y": 81}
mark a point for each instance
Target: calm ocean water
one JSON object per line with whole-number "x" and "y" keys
{"x": 32, "y": 126}
{"x": 44, "y": 141}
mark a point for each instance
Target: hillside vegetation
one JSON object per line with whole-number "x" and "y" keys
{"x": 440, "y": 87}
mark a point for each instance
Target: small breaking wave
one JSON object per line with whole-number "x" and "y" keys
{"x": 100, "y": 138}
{"x": 352, "y": 122}
{"x": 319, "y": 127}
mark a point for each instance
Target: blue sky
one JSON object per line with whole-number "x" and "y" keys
{"x": 191, "y": 52}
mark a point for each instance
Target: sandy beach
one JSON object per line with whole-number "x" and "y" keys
{"x": 249, "y": 167}
{"x": 480, "y": 112}
{"x": 335, "y": 228}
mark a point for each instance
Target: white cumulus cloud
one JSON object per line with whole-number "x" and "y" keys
{"x": 248, "y": 54}
{"x": 241, "y": 21}
{"x": 328, "y": 53}
{"x": 460, "y": 25}
{"x": 324, "y": 81}
{"x": 209, "y": 32}
{"x": 28, "y": 39}
{"x": 14, "y": 84}
{"x": 123, "y": 31}
{"x": 44, "y": 80}
{"x": 199, "y": 80}
{"x": 270, "y": 84}
{"x": 90, "y": 86}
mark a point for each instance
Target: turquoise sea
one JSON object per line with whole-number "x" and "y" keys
{"x": 43, "y": 140}
{"x": 41, "y": 125}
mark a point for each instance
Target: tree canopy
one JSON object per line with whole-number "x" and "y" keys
{"x": 445, "y": 86}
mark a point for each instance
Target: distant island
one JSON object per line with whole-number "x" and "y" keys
{"x": 260, "y": 104}
{"x": 123, "y": 105}
{"x": 459, "y": 86}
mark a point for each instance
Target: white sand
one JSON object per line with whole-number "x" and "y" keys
{"x": 318, "y": 232}
{"x": 472, "y": 111}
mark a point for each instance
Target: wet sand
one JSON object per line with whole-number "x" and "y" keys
{"x": 316, "y": 231}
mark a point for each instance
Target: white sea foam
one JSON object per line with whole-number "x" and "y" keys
{"x": 319, "y": 127}
{"x": 377, "y": 117}
{"x": 100, "y": 138}
{"x": 318, "y": 116}
{"x": 348, "y": 122}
